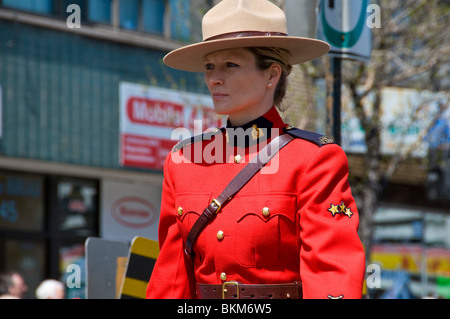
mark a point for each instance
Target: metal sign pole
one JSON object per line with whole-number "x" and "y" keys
{"x": 343, "y": 25}
{"x": 337, "y": 84}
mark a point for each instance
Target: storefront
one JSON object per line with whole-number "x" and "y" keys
{"x": 44, "y": 221}
{"x": 48, "y": 210}
{"x": 69, "y": 169}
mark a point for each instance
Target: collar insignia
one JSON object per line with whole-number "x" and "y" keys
{"x": 256, "y": 132}
{"x": 324, "y": 140}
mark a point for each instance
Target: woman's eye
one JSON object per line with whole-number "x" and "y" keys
{"x": 231, "y": 65}
{"x": 210, "y": 66}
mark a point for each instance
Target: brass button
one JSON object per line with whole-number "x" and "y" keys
{"x": 266, "y": 211}
{"x": 180, "y": 211}
{"x": 220, "y": 235}
{"x": 238, "y": 159}
{"x": 223, "y": 276}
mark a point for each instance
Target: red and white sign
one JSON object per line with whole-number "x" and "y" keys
{"x": 130, "y": 209}
{"x": 149, "y": 115}
{"x": 134, "y": 212}
{"x": 144, "y": 151}
{"x": 141, "y": 110}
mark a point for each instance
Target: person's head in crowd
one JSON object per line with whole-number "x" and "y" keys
{"x": 50, "y": 289}
{"x": 12, "y": 285}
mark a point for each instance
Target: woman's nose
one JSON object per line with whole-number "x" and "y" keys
{"x": 214, "y": 78}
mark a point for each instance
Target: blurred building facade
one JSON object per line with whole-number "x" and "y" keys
{"x": 61, "y": 166}
{"x": 411, "y": 241}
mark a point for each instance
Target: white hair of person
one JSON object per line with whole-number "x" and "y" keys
{"x": 50, "y": 289}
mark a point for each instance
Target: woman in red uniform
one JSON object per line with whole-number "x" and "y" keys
{"x": 291, "y": 230}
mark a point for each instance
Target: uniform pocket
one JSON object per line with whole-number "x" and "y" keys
{"x": 189, "y": 206}
{"x": 266, "y": 233}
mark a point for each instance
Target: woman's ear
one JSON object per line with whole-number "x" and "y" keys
{"x": 274, "y": 74}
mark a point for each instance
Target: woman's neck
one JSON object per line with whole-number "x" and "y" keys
{"x": 246, "y": 116}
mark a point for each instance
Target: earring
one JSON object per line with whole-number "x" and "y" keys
{"x": 270, "y": 85}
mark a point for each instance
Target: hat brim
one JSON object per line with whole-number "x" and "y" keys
{"x": 190, "y": 58}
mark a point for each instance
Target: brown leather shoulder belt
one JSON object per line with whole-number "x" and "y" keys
{"x": 233, "y": 289}
{"x": 262, "y": 158}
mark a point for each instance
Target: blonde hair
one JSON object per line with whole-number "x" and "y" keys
{"x": 265, "y": 57}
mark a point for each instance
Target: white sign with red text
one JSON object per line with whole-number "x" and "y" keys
{"x": 129, "y": 210}
{"x": 148, "y": 116}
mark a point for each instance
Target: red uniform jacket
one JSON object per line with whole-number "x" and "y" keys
{"x": 296, "y": 220}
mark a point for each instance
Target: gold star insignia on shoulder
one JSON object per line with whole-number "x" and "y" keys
{"x": 348, "y": 212}
{"x": 334, "y": 209}
{"x": 340, "y": 209}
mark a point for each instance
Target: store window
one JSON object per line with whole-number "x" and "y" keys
{"x": 100, "y": 11}
{"x": 21, "y": 202}
{"x": 142, "y": 15}
{"x": 153, "y": 15}
{"x": 38, "y": 6}
{"x": 44, "y": 223}
{"x": 138, "y": 15}
{"x": 77, "y": 206}
{"x": 22, "y": 220}
{"x": 27, "y": 257}
{"x": 180, "y": 20}
{"x": 129, "y": 14}
{"x": 76, "y": 209}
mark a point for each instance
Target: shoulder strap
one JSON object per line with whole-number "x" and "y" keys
{"x": 263, "y": 157}
{"x": 197, "y": 138}
{"x": 318, "y": 139}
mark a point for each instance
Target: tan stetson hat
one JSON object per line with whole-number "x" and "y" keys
{"x": 244, "y": 23}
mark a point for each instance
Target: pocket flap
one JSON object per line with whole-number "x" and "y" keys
{"x": 267, "y": 206}
{"x": 191, "y": 203}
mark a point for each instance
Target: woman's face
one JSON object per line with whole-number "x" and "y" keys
{"x": 238, "y": 88}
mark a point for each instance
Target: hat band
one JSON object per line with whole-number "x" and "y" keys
{"x": 246, "y": 34}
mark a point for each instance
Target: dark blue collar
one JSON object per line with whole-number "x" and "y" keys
{"x": 255, "y": 131}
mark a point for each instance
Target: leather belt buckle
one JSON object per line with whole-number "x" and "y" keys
{"x": 224, "y": 289}
{"x": 216, "y": 204}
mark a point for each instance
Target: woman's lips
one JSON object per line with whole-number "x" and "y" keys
{"x": 219, "y": 95}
